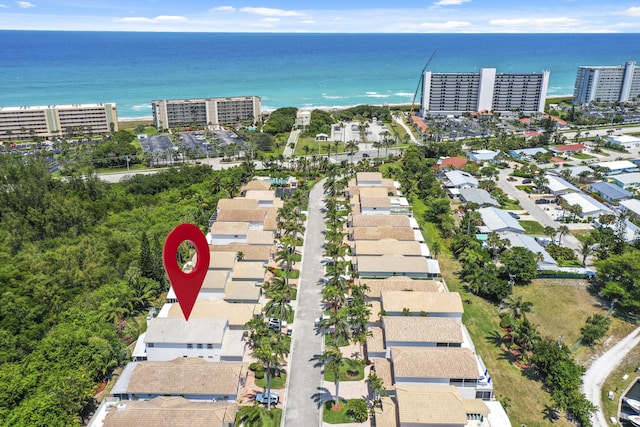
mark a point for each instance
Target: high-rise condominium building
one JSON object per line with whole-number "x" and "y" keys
{"x": 57, "y": 120}
{"x": 212, "y": 112}
{"x": 457, "y": 93}
{"x": 618, "y": 83}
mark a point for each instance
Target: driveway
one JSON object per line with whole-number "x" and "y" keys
{"x": 305, "y": 391}
{"x": 532, "y": 208}
{"x": 601, "y": 368}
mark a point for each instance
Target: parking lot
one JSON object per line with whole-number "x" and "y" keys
{"x": 351, "y": 132}
{"x": 156, "y": 144}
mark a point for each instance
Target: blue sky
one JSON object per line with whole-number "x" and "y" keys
{"x": 328, "y": 16}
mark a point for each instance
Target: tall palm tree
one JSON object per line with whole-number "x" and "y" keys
{"x": 337, "y": 324}
{"x": 278, "y": 306}
{"x": 333, "y": 360}
{"x": 562, "y": 230}
{"x": 271, "y": 351}
{"x": 251, "y": 416}
{"x": 517, "y": 307}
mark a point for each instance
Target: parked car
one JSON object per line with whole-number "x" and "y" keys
{"x": 276, "y": 324}
{"x": 527, "y": 181}
{"x": 514, "y": 215}
{"x": 365, "y": 155}
{"x": 321, "y": 318}
{"x": 265, "y": 398}
{"x": 543, "y": 201}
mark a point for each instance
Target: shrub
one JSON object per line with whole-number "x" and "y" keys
{"x": 256, "y": 366}
{"x": 595, "y": 328}
{"x": 259, "y": 375}
{"x": 357, "y": 409}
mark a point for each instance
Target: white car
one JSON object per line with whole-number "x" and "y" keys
{"x": 265, "y": 398}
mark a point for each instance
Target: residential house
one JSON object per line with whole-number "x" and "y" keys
{"x": 380, "y": 221}
{"x": 248, "y": 271}
{"x": 170, "y": 412}
{"x": 435, "y": 304}
{"x": 255, "y": 184}
{"x": 481, "y": 156}
{"x": 375, "y": 205}
{"x": 193, "y": 379}
{"x": 237, "y": 315}
{"x": 171, "y": 338}
{"x": 255, "y": 217}
{"x": 451, "y": 162}
{"x": 589, "y": 205}
{"x": 379, "y": 233}
{"x": 610, "y": 192}
{"x": 369, "y": 179}
{"x": 568, "y": 149}
{"x": 248, "y": 292}
{"x": 377, "y": 286}
{"x": 617, "y": 167}
{"x": 459, "y": 179}
{"x": 390, "y": 265}
{"x": 523, "y": 241}
{"x": 632, "y": 206}
{"x": 423, "y": 405}
{"x": 224, "y": 233}
{"x": 458, "y": 367}
{"x": 499, "y": 221}
{"x": 527, "y": 154}
{"x": 557, "y": 185}
{"x": 247, "y": 252}
{"x": 627, "y": 181}
{"x": 479, "y": 196}
{"x": 390, "y": 247}
{"x": 572, "y": 171}
{"x": 404, "y": 331}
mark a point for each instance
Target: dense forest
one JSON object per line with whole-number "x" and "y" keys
{"x": 80, "y": 258}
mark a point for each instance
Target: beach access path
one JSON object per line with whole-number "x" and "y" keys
{"x": 305, "y": 392}
{"x": 400, "y": 121}
{"x": 290, "y": 150}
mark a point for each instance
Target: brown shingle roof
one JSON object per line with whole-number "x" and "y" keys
{"x": 393, "y": 263}
{"x": 375, "y": 202}
{"x": 383, "y": 370}
{"x": 185, "y": 376}
{"x": 238, "y": 203}
{"x": 376, "y": 286}
{"x": 242, "y": 291}
{"x": 230, "y": 228}
{"x": 375, "y": 341}
{"x": 431, "y": 302}
{"x": 264, "y": 238}
{"x": 250, "y": 252}
{"x": 249, "y": 270}
{"x": 372, "y": 192}
{"x": 379, "y": 220}
{"x": 378, "y": 233}
{"x": 219, "y": 260}
{"x": 170, "y": 412}
{"x": 387, "y": 416}
{"x": 422, "y": 329}
{"x": 241, "y": 215}
{"x": 236, "y": 313}
{"x": 260, "y": 194}
{"x": 256, "y": 184}
{"x": 387, "y": 246}
{"x": 434, "y": 362}
{"x": 430, "y": 405}
{"x": 215, "y": 279}
{"x": 368, "y": 177}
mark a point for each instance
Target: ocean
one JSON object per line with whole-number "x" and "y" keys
{"x": 297, "y": 70}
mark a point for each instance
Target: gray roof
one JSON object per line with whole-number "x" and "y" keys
{"x": 528, "y": 242}
{"x": 460, "y": 178}
{"x": 589, "y": 205}
{"x": 530, "y": 151}
{"x": 498, "y": 220}
{"x": 610, "y": 191}
{"x": 557, "y": 184}
{"x": 178, "y": 330}
{"x": 479, "y": 196}
{"x": 573, "y": 170}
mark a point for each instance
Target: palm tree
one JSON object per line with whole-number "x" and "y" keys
{"x": 286, "y": 257}
{"x": 586, "y": 248}
{"x": 271, "y": 351}
{"x": 517, "y": 307}
{"x": 376, "y": 385}
{"x": 278, "y": 306}
{"x": 337, "y": 324}
{"x": 562, "y": 230}
{"x": 550, "y": 232}
{"x": 333, "y": 360}
{"x": 351, "y": 146}
{"x": 251, "y": 416}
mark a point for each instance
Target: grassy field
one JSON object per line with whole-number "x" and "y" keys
{"x": 560, "y": 308}
{"x": 532, "y": 227}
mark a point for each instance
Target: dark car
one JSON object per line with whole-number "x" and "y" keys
{"x": 514, "y": 215}
{"x": 365, "y": 155}
{"x": 543, "y": 201}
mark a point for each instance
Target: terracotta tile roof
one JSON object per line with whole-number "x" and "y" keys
{"x": 185, "y": 376}
{"x": 454, "y": 162}
{"x": 434, "y": 362}
{"x": 170, "y": 412}
{"x": 431, "y": 302}
{"x": 422, "y": 329}
{"x": 430, "y": 405}
{"x": 569, "y": 147}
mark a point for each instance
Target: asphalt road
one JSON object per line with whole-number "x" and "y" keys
{"x": 305, "y": 392}
{"x": 601, "y": 368}
{"x": 532, "y": 208}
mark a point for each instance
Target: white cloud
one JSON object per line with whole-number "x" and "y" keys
{"x": 308, "y": 21}
{"x": 222, "y": 9}
{"x": 450, "y": 2}
{"x": 25, "y": 4}
{"x": 443, "y": 26}
{"x": 632, "y": 11}
{"x": 551, "y": 24}
{"x": 156, "y": 20}
{"x": 271, "y": 20}
{"x": 266, "y": 11}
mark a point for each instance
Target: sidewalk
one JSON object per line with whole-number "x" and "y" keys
{"x": 293, "y": 138}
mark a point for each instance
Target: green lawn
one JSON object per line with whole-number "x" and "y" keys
{"x": 532, "y": 227}
{"x": 512, "y": 205}
{"x": 277, "y": 383}
{"x": 582, "y": 156}
{"x": 356, "y": 365}
{"x": 335, "y": 417}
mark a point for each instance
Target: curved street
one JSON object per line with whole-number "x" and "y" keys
{"x": 305, "y": 394}
{"x": 601, "y": 368}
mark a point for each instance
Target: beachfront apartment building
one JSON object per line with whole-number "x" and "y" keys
{"x": 617, "y": 83}
{"x": 201, "y": 112}
{"x": 19, "y": 123}
{"x": 486, "y": 90}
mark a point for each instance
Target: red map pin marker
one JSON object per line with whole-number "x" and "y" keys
{"x": 186, "y": 285}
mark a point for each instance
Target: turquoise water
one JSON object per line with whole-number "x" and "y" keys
{"x": 301, "y": 70}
